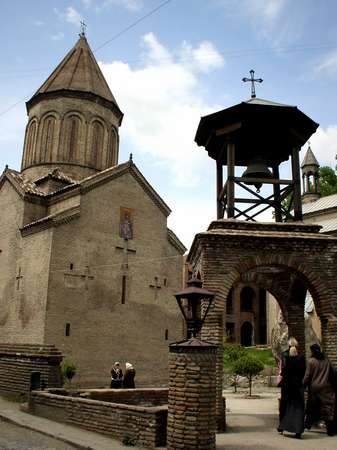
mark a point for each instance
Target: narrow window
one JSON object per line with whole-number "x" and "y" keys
{"x": 71, "y": 266}
{"x": 166, "y": 334}
{"x": 165, "y": 282}
{"x": 123, "y": 289}
{"x": 67, "y": 329}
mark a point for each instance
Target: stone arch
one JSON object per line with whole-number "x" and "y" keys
{"x": 96, "y": 143}
{"x": 73, "y": 137}
{"x": 30, "y": 142}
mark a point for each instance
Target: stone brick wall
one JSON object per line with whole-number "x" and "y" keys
{"x": 18, "y": 362}
{"x": 145, "y": 425}
{"x": 140, "y": 397}
{"x": 192, "y": 396}
{"x": 283, "y": 258}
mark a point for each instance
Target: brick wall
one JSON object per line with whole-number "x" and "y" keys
{"x": 140, "y": 397}
{"x": 19, "y": 361}
{"x": 145, "y": 425}
{"x": 283, "y": 258}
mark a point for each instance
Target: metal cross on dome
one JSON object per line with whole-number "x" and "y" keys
{"x": 252, "y": 80}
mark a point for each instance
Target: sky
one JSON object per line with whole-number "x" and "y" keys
{"x": 168, "y": 63}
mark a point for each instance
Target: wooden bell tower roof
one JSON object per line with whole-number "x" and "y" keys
{"x": 255, "y": 126}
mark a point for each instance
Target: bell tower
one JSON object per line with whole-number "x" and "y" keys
{"x": 73, "y": 120}
{"x": 258, "y": 135}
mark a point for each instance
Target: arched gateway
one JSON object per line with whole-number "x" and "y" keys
{"x": 285, "y": 257}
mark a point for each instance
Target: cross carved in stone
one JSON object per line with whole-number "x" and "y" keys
{"x": 156, "y": 287}
{"x": 252, "y": 80}
{"x": 18, "y": 279}
{"x": 126, "y": 251}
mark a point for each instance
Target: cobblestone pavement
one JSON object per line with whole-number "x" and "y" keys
{"x": 14, "y": 437}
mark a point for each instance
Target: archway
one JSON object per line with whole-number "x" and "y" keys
{"x": 247, "y": 338}
{"x": 286, "y": 259}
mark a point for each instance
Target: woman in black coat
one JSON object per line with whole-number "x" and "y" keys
{"x": 292, "y": 392}
{"x": 129, "y": 377}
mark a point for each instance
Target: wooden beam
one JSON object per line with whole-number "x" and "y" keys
{"x": 219, "y": 186}
{"x": 295, "y": 165}
{"x": 228, "y": 129}
{"x": 230, "y": 179}
{"x": 277, "y": 196}
{"x": 262, "y": 180}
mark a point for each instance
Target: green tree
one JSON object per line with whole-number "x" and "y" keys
{"x": 68, "y": 370}
{"x": 248, "y": 367}
{"x": 328, "y": 181}
{"x": 231, "y": 353}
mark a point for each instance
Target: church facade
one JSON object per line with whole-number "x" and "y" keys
{"x": 87, "y": 261}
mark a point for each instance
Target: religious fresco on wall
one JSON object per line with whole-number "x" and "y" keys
{"x": 126, "y": 223}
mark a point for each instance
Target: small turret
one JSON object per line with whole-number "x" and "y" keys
{"x": 310, "y": 177}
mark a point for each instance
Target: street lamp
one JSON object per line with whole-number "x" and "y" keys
{"x": 194, "y": 302}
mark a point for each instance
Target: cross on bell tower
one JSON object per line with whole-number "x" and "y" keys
{"x": 83, "y": 28}
{"x": 253, "y": 81}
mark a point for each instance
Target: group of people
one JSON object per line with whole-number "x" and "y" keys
{"x": 120, "y": 380}
{"x": 318, "y": 376}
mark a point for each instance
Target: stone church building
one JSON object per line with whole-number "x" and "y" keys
{"x": 87, "y": 261}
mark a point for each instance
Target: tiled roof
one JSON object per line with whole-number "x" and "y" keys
{"x": 320, "y": 205}
{"x": 329, "y": 225}
{"x": 309, "y": 159}
{"x": 261, "y": 101}
{"x": 78, "y": 71}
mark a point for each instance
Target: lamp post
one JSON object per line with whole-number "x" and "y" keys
{"x": 194, "y": 302}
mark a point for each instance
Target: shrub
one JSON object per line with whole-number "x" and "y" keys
{"x": 248, "y": 367}
{"x": 231, "y": 353}
{"x": 68, "y": 369}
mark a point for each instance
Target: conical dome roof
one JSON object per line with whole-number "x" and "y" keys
{"x": 78, "y": 71}
{"x": 309, "y": 159}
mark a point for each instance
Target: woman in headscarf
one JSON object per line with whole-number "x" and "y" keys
{"x": 292, "y": 391}
{"x": 116, "y": 376}
{"x": 321, "y": 395}
{"x": 129, "y": 376}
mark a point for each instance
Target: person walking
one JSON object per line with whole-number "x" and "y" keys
{"x": 129, "y": 377}
{"x": 321, "y": 395}
{"x": 116, "y": 376}
{"x": 291, "y": 413}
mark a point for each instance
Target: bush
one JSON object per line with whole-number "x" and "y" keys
{"x": 233, "y": 352}
{"x": 68, "y": 369}
{"x": 248, "y": 367}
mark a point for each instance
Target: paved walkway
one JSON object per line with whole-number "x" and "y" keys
{"x": 251, "y": 426}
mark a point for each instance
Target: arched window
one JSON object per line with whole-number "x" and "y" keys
{"x": 96, "y": 144}
{"x": 72, "y": 143}
{"x": 48, "y": 129}
{"x": 111, "y": 159}
{"x": 246, "y": 299}
{"x": 30, "y": 143}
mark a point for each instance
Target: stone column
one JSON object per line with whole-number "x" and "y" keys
{"x": 191, "y": 422}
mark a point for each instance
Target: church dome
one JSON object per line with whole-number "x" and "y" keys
{"x": 73, "y": 120}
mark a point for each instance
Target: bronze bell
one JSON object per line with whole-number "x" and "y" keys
{"x": 257, "y": 168}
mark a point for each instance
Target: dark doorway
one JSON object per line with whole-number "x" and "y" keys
{"x": 35, "y": 381}
{"x": 247, "y": 296}
{"x": 247, "y": 334}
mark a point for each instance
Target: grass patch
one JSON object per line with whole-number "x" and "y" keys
{"x": 264, "y": 355}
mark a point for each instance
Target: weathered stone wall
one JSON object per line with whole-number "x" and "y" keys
{"x": 102, "y": 328}
{"x": 23, "y": 273}
{"x": 140, "y": 397}
{"x": 18, "y": 362}
{"x": 145, "y": 425}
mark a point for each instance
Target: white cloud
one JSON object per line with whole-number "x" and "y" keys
{"x": 57, "y": 36}
{"x": 38, "y": 23}
{"x": 324, "y": 145}
{"x": 162, "y": 105}
{"x": 98, "y": 5}
{"x": 73, "y": 16}
{"x": 267, "y": 10}
{"x": 205, "y": 57}
{"x": 327, "y": 64}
